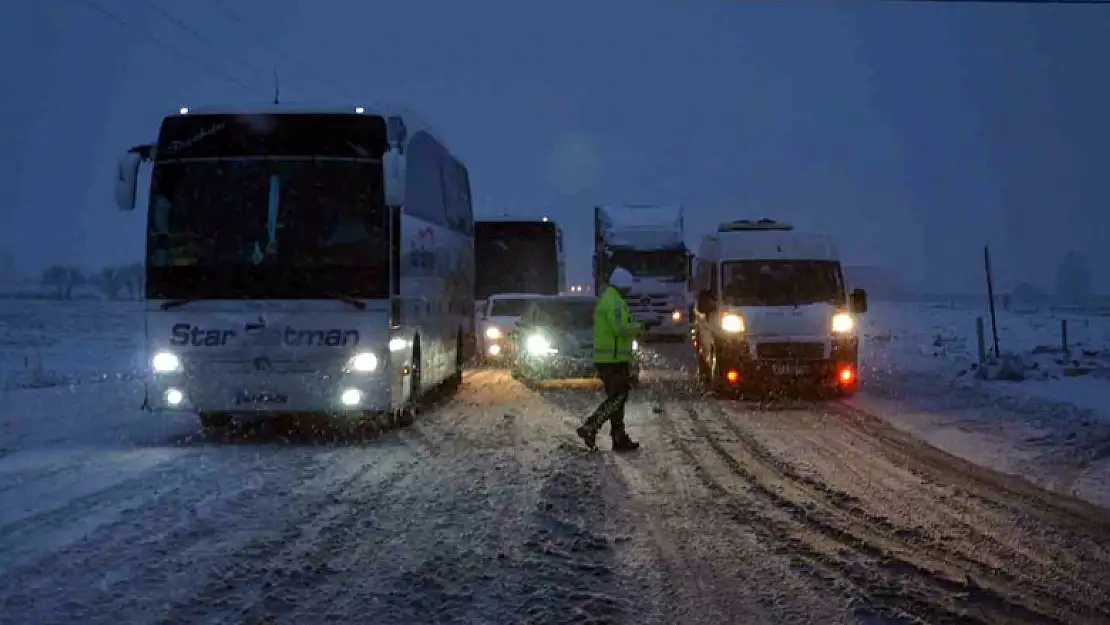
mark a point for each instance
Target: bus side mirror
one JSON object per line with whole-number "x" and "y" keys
{"x": 127, "y": 180}
{"x": 858, "y": 301}
{"x": 393, "y": 171}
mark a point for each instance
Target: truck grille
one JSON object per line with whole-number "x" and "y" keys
{"x": 654, "y": 303}
{"x": 790, "y": 351}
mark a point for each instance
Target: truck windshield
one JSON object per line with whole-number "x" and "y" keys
{"x": 664, "y": 264}
{"x": 291, "y": 228}
{"x": 782, "y": 283}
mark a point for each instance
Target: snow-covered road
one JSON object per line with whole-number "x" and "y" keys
{"x": 489, "y": 511}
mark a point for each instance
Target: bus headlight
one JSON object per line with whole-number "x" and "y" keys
{"x": 165, "y": 362}
{"x": 538, "y": 346}
{"x": 732, "y": 323}
{"x": 363, "y": 363}
{"x": 493, "y": 333}
{"x": 843, "y": 323}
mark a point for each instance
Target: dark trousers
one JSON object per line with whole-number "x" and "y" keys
{"x": 617, "y": 378}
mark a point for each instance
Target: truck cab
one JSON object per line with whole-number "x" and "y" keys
{"x": 772, "y": 310}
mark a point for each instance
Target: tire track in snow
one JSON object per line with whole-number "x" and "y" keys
{"x": 877, "y": 583}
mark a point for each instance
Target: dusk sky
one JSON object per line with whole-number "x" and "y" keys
{"x": 912, "y": 133}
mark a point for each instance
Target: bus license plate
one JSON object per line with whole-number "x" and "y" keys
{"x": 780, "y": 368}
{"x": 260, "y": 398}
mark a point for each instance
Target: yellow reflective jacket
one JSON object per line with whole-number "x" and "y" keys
{"x": 614, "y": 328}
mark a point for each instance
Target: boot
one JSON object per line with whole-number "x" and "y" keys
{"x": 621, "y": 442}
{"x": 588, "y": 435}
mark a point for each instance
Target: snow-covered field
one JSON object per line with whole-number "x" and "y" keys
{"x": 1039, "y": 412}
{"x": 50, "y": 343}
{"x": 488, "y": 510}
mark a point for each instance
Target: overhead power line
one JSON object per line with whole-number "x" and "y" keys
{"x": 1102, "y": 2}
{"x": 268, "y": 40}
{"x": 195, "y": 60}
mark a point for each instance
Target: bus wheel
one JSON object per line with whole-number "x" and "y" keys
{"x": 407, "y": 415}
{"x": 214, "y": 419}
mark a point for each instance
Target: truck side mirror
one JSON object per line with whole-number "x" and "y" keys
{"x": 706, "y": 302}
{"x": 393, "y": 171}
{"x": 858, "y": 301}
{"x": 127, "y": 179}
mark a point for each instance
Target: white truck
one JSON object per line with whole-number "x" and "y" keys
{"x": 649, "y": 241}
{"x": 302, "y": 260}
{"x": 772, "y": 309}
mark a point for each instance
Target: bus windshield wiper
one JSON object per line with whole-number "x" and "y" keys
{"x": 177, "y": 303}
{"x": 359, "y": 304}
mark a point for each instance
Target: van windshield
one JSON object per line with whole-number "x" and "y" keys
{"x": 782, "y": 283}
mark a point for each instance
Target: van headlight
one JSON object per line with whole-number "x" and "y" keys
{"x": 732, "y": 323}
{"x": 538, "y": 346}
{"x": 165, "y": 362}
{"x": 363, "y": 363}
{"x": 843, "y": 323}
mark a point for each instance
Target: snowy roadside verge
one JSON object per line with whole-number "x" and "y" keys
{"x": 1014, "y": 428}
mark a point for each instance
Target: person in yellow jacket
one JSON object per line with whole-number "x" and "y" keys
{"x": 614, "y": 331}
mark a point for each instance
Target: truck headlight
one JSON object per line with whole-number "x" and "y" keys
{"x": 538, "y": 346}
{"x": 493, "y": 333}
{"x": 842, "y": 323}
{"x": 732, "y": 323}
{"x": 676, "y": 315}
{"x": 363, "y": 363}
{"x": 165, "y": 362}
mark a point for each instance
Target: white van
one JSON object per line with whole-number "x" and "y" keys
{"x": 773, "y": 309}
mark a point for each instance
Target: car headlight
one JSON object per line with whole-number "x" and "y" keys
{"x": 733, "y": 323}
{"x": 363, "y": 363}
{"x": 635, "y": 345}
{"x": 493, "y": 333}
{"x": 165, "y": 362}
{"x": 842, "y": 323}
{"x": 538, "y": 346}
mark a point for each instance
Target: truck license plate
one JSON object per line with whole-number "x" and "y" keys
{"x": 780, "y": 368}
{"x": 260, "y": 398}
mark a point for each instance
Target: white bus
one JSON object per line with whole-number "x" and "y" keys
{"x": 302, "y": 260}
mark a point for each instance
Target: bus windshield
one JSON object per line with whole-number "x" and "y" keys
{"x": 292, "y": 228}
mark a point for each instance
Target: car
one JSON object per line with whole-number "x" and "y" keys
{"x": 554, "y": 340}
{"x": 498, "y": 316}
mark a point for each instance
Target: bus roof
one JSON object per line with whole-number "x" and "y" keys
{"x": 413, "y": 121}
